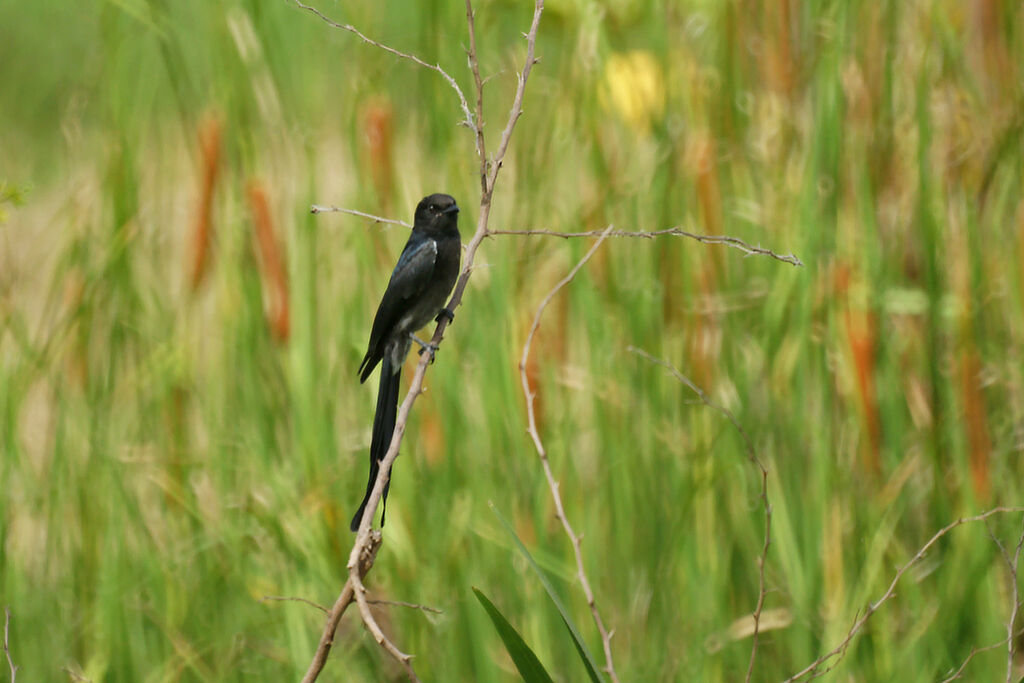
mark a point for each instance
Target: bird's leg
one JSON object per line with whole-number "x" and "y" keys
{"x": 424, "y": 346}
{"x": 445, "y": 313}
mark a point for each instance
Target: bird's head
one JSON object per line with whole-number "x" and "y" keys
{"x": 438, "y": 214}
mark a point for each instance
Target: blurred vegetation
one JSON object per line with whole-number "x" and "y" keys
{"x": 182, "y": 432}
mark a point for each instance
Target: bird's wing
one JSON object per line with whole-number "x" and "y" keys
{"x": 412, "y": 273}
{"x": 414, "y": 269}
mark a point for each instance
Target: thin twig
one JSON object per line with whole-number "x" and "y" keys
{"x": 955, "y": 675}
{"x": 762, "y": 560}
{"x": 316, "y": 208}
{"x": 734, "y": 242}
{"x": 367, "y": 557}
{"x": 1011, "y": 622}
{"x": 359, "y": 591}
{"x": 474, "y": 65}
{"x": 574, "y": 538}
{"x": 811, "y": 670}
{"x": 517, "y": 101}
{"x": 7, "y": 646}
{"x": 410, "y": 605}
{"x": 285, "y": 598}
{"x": 468, "y": 121}
{"x": 1012, "y": 564}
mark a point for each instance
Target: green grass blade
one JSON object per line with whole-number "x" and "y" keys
{"x": 522, "y": 656}
{"x": 581, "y": 646}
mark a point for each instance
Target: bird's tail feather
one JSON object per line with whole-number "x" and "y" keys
{"x": 383, "y": 430}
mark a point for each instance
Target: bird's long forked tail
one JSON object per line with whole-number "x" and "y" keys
{"x": 383, "y": 430}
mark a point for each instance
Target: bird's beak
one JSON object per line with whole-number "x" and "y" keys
{"x": 454, "y": 208}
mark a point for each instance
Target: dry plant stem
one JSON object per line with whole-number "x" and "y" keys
{"x": 956, "y": 675}
{"x": 474, "y": 65}
{"x": 286, "y": 598}
{"x": 364, "y": 535}
{"x": 316, "y": 208}
{"x": 7, "y": 646}
{"x": 762, "y": 559}
{"x": 811, "y": 670}
{"x": 734, "y": 242}
{"x": 468, "y": 121}
{"x": 1012, "y": 564}
{"x": 517, "y": 102}
{"x": 606, "y": 635}
{"x": 367, "y": 557}
{"x": 410, "y": 605}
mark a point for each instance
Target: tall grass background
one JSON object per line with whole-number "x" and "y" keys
{"x": 182, "y": 431}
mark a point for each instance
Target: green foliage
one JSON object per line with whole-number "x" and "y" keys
{"x": 167, "y": 459}
{"x": 526, "y": 661}
{"x": 577, "y": 639}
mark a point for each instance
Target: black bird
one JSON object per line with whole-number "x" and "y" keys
{"x": 419, "y": 285}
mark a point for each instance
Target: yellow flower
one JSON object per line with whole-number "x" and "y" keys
{"x": 634, "y": 87}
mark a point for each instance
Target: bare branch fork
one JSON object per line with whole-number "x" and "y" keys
{"x": 752, "y": 457}
{"x": 367, "y": 541}
{"x": 813, "y": 670}
{"x": 1012, "y": 564}
{"x": 1011, "y": 636}
{"x": 581, "y": 574}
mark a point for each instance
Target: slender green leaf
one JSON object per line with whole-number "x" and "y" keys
{"x": 581, "y": 646}
{"x": 522, "y": 656}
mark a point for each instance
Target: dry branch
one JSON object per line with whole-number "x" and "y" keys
{"x": 474, "y": 65}
{"x": 316, "y": 208}
{"x": 839, "y": 651}
{"x": 956, "y": 675}
{"x": 410, "y": 605}
{"x": 734, "y": 242}
{"x": 1012, "y": 564}
{"x": 289, "y": 598}
{"x": 369, "y": 554}
{"x": 574, "y": 538}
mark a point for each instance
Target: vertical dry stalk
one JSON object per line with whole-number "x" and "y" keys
{"x": 271, "y": 259}
{"x": 581, "y": 573}
{"x": 209, "y": 151}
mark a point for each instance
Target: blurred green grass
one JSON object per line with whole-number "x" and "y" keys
{"x": 166, "y": 462}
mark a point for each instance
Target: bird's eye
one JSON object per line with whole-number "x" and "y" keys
{"x": 433, "y": 208}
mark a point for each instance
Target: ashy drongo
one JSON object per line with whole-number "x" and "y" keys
{"x": 416, "y": 294}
